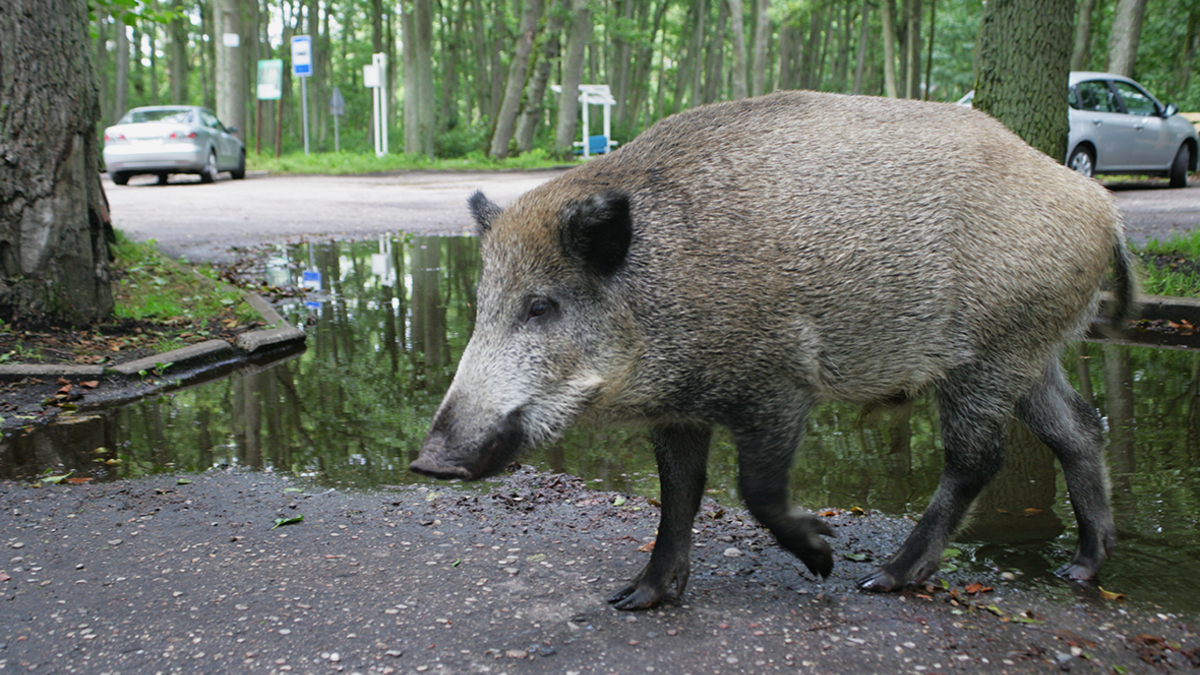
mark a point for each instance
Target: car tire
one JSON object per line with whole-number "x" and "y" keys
{"x": 209, "y": 173}
{"x": 162, "y": 178}
{"x": 119, "y": 177}
{"x": 239, "y": 172}
{"x": 1179, "y": 167}
{"x": 1082, "y": 161}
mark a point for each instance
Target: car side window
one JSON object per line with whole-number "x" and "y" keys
{"x": 1137, "y": 102}
{"x": 1095, "y": 96}
{"x": 210, "y": 120}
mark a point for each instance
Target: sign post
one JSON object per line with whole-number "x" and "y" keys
{"x": 302, "y": 68}
{"x": 375, "y": 78}
{"x": 270, "y": 88}
{"x": 337, "y": 108}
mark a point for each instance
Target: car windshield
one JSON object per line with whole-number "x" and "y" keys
{"x": 140, "y": 116}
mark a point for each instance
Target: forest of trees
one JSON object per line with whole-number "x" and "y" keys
{"x": 473, "y": 75}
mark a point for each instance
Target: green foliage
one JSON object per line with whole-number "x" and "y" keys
{"x": 151, "y": 286}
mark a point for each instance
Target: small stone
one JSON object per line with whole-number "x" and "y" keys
{"x": 335, "y": 657}
{"x": 732, "y": 553}
{"x": 285, "y": 631}
{"x": 393, "y": 653}
{"x": 1008, "y": 576}
{"x": 115, "y": 542}
{"x": 18, "y": 544}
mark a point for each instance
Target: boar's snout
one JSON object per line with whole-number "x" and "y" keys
{"x": 449, "y": 452}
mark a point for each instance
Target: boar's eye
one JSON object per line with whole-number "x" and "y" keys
{"x": 539, "y": 307}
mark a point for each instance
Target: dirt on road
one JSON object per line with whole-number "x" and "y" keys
{"x": 189, "y": 574}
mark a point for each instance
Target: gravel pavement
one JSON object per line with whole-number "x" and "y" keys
{"x": 187, "y": 575}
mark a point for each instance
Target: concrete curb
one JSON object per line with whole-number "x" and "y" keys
{"x": 277, "y": 334}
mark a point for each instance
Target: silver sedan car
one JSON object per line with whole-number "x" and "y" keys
{"x": 1118, "y": 127}
{"x": 162, "y": 140}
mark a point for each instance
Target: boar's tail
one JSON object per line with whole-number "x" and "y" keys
{"x": 1124, "y": 287}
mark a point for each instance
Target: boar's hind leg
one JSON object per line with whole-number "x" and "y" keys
{"x": 764, "y": 463}
{"x": 682, "y": 455}
{"x": 1060, "y": 417}
{"x": 972, "y": 417}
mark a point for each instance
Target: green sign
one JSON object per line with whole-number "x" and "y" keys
{"x": 270, "y": 80}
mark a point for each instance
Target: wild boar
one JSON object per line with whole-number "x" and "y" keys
{"x": 739, "y": 263}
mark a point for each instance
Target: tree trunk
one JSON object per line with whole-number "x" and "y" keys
{"x": 860, "y": 66}
{"x": 737, "y": 31}
{"x": 762, "y": 34}
{"x": 887, "y": 11}
{"x": 714, "y": 58}
{"x": 1083, "y": 30}
{"x": 428, "y": 95}
{"x": 412, "y": 126}
{"x": 506, "y": 119}
{"x": 912, "y": 51}
{"x": 532, "y": 112}
{"x": 1024, "y": 56}
{"x": 1187, "y": 53}
{"x": 578, "y": 37}
{"x": 179, "y": 56}
{"x": 54, "y": 224}
{"x": 1124, "y": 36}
{"x": 230, "y": 73}
{"x": 120, "y": 73}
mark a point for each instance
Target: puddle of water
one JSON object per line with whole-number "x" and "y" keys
{"x": 387, "y": 321}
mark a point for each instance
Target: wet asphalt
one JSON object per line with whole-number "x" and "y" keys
{"x": 190, "y": 574}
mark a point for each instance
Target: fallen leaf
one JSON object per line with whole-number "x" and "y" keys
{"x": 619, "y": 501}
{"x": 90, "y": 384}
{"x": 1109, "y": 595}
{"x": 828, "y": 513}
{"x": 1029, "y": 513}
{"x": 79, "y": 480}
{"x": 856, "y": 511}
{"x": 857, "y": 557}
{"x": 62, "y": 381}
{"x": 647, "y": 547}
{"x": 279, "y": 522}
{"x": 184, "y": 481}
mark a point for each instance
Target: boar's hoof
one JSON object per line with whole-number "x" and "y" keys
{"x": 880, "y": 582}
{"x": 429, "y": 467}
{"x": 1076, "y": 571}
{"x": 636, "y": 597}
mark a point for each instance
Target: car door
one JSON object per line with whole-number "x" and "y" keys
{"x": 1152, "y": 145}
{"x": 223, "y": 142}
{"x": 1107, "y": 126}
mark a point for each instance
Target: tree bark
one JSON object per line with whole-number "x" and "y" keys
{"x": 887, "y": 12}
{"x": 737, "y": 31}
{"x": 912, "y": 50}
{"x": 506, "y": 119}
{"x": 120, "y": 72}
{"x": 578, "y": 37}
{"x": 230, "y": 73}
{"x": 54, "y": 224}
{"x": 860, "y": 66}
{"x": 762, "y": 33}
{"x": 1024, "y": 56}
{"x": 428, "y": 95}
{"x": 1083, "y": 30}
{"x": 532, "y": 112}
{"x": 1124, "y": 36}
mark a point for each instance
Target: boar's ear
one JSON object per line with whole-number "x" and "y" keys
{"x": 485, "y": 212}
{"x": 597, "y": 231}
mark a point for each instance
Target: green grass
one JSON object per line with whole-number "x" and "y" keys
{"x": 1172, "y": 267}
{"x": 153, "y": 287}
{"x": 339, "y": 163}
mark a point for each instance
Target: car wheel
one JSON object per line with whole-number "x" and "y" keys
{"x": 119, "y": 177}
{"x": 240, "y": 171}
{"x": 209, "y": 173}
{"x": 1083, "y": 162}
{"x": 162, "y": 178}
{"x": 1179, "y": 168}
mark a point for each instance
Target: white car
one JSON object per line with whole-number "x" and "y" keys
{"x": 1118, "y": 127}
{"x": 162, "y": 140}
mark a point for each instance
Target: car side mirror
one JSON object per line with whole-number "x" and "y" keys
{"x": 1170, "y": 110}
{"x": 233, "y": 130}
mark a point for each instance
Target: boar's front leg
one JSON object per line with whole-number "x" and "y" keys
{"x": 681, "y": 451}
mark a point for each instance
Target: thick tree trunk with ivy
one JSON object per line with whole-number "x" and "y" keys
{"x": 1024, "y": 57}
{"x": 54, "y": 225}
